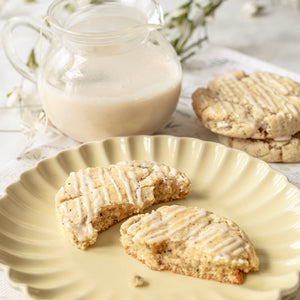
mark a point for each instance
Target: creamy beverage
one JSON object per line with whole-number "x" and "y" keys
{"x": 116, "y": 89}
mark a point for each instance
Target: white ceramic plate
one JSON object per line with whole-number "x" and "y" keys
{"x": 228, "y": 182}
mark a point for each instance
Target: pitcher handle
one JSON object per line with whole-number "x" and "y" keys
{"x": 9, "y": 48}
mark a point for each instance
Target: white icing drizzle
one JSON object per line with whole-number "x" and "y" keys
{"x": 173, "y": 172}
{"x": 165, "y": 170}
{"x": 282, "y": 138}
{"x": 137, "y": 187}
{"x": 159, "y": 172}
{"x": 292, "y": 108}
{"x": 197, "y": 230}
{"x": 264, "y": 91}
{"x": 211, "y": 234}
{"x": 189, "y": 219}
{"x": 81, "y": 231}
{"x": 233, "y": 245}
{"x": 86, "y": 185}
{"x": 237, "y": 251}
{"x": 114, "y": 184}
{"x": 280, "y": 86}
{"x": 75, "y": 185}
{"x": 254, "y": 96}
{"x": 79, "y": 209}
{"x": 124, "y": 179}
{"x": 154, "y": 225}
{"x": 221, "y": 245}
{"x": 99, "y": 201}
{"x": 222, "y": 124}
{"x": 102, "y": 182}
{"x": 279, "y": 101}
{"x": 214, "y": 237}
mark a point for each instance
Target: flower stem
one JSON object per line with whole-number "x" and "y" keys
{"x": 180, "y": 48}
{"x": 197, "y": 43}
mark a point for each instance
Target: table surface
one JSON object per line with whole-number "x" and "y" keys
{"x": 273, "y": 37}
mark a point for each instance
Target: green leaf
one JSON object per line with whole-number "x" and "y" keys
{"x": 174, "y": 42}
{"x": 9, "y": 94}
{"x": 260, "y": 9}
{"x": 97, "y": 2}
{"x": 70, "y": 8}
{"x": 45, "y": 20}
{"x": 31, "y": 62}
{"x": 187, "y": 4}
{"x": 29, "y": 1}
{"x": 181, "y": 18}
{"x": 210, "y": 8}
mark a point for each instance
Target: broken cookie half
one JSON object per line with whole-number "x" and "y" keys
{"x": 94, "y": 199}
{"x": 190, "y": 241}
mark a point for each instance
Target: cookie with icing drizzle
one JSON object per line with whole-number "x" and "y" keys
{"x": 94, "y": 199}
{"x": 284, "y": 150}
{"x": 190, "y": 241}
{"x": 258, "y": 106}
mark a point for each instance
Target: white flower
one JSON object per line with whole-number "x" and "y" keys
{"x": 31, "y": 99}
{"x": 178, "y": 12}
{"x": 250, "y": 9}
{"x": 196, "y": 15}
{"x": 15, "y": 97}
{"x": 184, "y": 32}
{"x": 18, "y": 95}
{"x": 184, "y": 28}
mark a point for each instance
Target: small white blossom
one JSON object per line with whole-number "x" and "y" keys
{"x": 196, "y": 15}
{"x": 178, "y": 12}
{"x": 15, "y": 97}
{"x": 183, "y": 28}
{"x": 250, "y": 9}
{"x": 31, "y": 99}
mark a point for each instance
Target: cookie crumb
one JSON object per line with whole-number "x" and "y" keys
{"x": 138, "y": 281}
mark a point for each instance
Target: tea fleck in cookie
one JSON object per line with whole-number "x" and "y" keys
{"x": 190, "y": 241}
{"x": 258, "y": 106}
{"x": 94, "y": 199}
{"x": 285, "y": 150}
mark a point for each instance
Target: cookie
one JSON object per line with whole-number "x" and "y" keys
{"x": 190, "y": 241}
{"x": 258, "y": 106}
{"x": 94, "y": 199}
{"x": 279, "y": 150}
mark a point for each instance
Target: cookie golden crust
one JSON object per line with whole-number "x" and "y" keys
{"x": 283, "y": 151}
{"x": 258, "y": 106}
{"x": 190, "y": 241}
{"x": 94, "y": 199}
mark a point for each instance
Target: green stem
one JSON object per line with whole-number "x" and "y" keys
{"x": 209, "y": 9}
{"x": 180, "y": 47}
{"x": 187, "y": 56}
{"x": 197, "y": 43}
{"x": 9, "y": 131}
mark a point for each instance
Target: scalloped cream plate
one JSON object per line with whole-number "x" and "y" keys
{"x": 230, "y": 183}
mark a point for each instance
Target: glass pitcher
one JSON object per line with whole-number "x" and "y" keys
{"x": 108, "y": 70}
